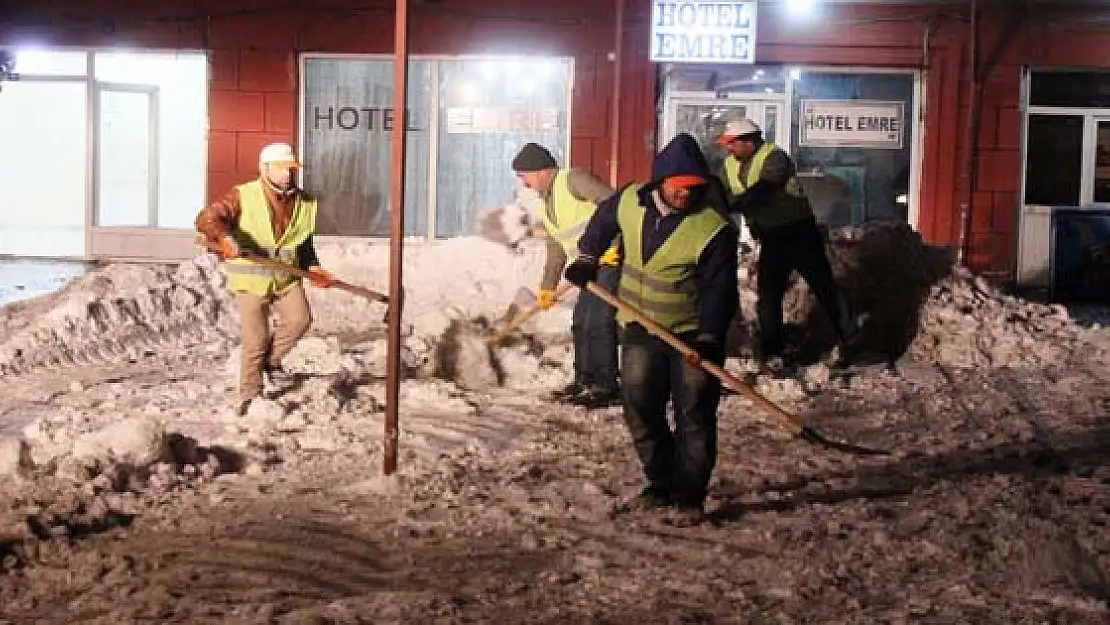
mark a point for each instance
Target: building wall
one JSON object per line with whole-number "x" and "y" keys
{"x": 254, "y": 46}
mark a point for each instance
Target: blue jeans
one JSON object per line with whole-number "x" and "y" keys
{"x": 594, "y": 328}
{"x": 678, "y": 461}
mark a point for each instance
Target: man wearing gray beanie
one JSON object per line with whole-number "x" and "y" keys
{"x": 570, "y": 197}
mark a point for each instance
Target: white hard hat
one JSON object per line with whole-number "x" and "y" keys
{"x": 738, "y": 128}
{"x": 278, "y": 153}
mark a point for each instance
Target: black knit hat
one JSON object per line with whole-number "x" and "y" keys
{"x": 533, "y": 157}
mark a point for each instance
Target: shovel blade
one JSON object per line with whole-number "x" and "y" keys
{"x": 523, "y": 300}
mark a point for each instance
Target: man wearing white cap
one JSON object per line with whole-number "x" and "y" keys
{"x": 274, "y": 218}
{"x": 760, "y": 177}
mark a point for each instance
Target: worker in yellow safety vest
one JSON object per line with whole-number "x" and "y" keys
{"x": 273, "y": 218}
{"x": 680, "y": 270}
{"x": 762, "y": 186}
{"x": 570, "y": 197}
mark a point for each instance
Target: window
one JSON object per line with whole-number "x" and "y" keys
{"x": 467, "y": 119}
{"x": 1053, "y": 169}
{"x": 490, "y": 108}
{"x": 1070, "y": 89}
{"x": 152, "y": 122}
{"x": 348, "y": 144}
{"x": 1102, "y": 163}
{"x": 44, "y": 178}
{"x": 1067, "y": 147}
{"x": 30, "y": 62}
{"x": 852, "y": 134}
{"x": 853, "y": 141}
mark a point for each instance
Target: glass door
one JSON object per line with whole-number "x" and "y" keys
{"x": 127, "y": 181}
{"x": 705, "y": 119}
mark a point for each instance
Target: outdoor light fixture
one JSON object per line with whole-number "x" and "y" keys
{"x": 795, "y": 73}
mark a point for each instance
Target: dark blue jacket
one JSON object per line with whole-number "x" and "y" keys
{"x": 715, "y": 274}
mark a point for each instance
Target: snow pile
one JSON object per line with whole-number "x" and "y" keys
{"x": 919, "y": 305}
{"x": 117, "y": 313}
{"x": 969, "y": 323}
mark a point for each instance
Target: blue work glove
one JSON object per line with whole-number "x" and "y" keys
{"x": 581, "y": 271}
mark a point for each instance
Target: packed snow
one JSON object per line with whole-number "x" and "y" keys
{"x": 130, "y": 491}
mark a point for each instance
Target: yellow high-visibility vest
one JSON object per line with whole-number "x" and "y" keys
{"x": 255, "y": 232}
{"x": 571, "y": 214}
{"x": 663, "y": 288}
{"x": 793, "y": 207}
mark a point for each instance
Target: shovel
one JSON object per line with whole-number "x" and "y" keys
{"x": 524, "y": 316}
{"x": 277, "y": 265}
{"x": 795, "y": 425}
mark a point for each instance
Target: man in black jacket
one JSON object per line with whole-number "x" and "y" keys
{"x": 760, "y": 178}
{"x": 680, "y": 270}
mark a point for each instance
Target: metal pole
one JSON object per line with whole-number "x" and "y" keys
{"x": 397, "y": 233}
{"x": 615, "y": 123}
{"x": 971, "y": 138}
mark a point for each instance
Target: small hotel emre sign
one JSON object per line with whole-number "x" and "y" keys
{"x": 703, "y": 32}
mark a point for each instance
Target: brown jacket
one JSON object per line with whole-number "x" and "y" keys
{"x": 220, "y": 218}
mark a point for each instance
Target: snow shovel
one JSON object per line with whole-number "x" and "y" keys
{"x": 796, "y": 426}
{"x": 523, "y": 317}
{"x": 277, "y": 265}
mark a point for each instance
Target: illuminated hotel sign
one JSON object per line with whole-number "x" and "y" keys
{"x": 703, "y": 32}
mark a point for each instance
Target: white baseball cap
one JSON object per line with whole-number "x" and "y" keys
{"x": 737, "y": 128}
{"x": 278, "y": 153}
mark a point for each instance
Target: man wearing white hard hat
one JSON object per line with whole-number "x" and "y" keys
{"x": 763, "y": 187}
{"x": 270, "y": 217}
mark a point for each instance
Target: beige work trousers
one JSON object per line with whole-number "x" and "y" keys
{"x": 294, "y": 318}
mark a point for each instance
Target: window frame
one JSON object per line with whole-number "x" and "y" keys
{"x": 915, "y": 121}
{"x": 432, "y": 120}
{"x": 1091, "y": 119}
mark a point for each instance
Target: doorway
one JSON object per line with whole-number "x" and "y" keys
{"x": 704, "y": 117}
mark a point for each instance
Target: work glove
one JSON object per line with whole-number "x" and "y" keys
{"x": 611, "y": 257}
{"x": 545, "y": 299}
{"x": 581, "y": 271}
{"x": 321, "y": 278}
{"x": 705, "y": 349}
{"x": 228, "y": 249}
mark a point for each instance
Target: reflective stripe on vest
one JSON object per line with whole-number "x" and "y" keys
{"x": 780, "y": 209}
{"x": 571, "y": 214}
{"x": 255, "y": 232}
{"x": 739, "y": 185}
{"x": 664, "y": 288}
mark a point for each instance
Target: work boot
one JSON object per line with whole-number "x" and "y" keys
{"x": 652, "y": 498}
{"x": 595, "y": 397}
{"x": 686, "y": 513}
{"x": 275, "y": 373}
{"x": 569, "y": 391}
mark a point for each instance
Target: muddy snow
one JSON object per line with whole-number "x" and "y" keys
{"x": 130, "y": 491}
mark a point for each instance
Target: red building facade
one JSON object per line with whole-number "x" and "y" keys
{"x": 971, "y": 71}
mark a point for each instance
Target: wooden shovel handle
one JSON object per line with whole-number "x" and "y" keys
{"x": 524, "y": 316}
{"x": 795, "y": 425}
{"x": 277, "y": 265}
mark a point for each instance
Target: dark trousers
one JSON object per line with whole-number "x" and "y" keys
{"x": 784, "y": 249}
{"x": 678, "y": 461}
{"x": 594, "y": 328}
